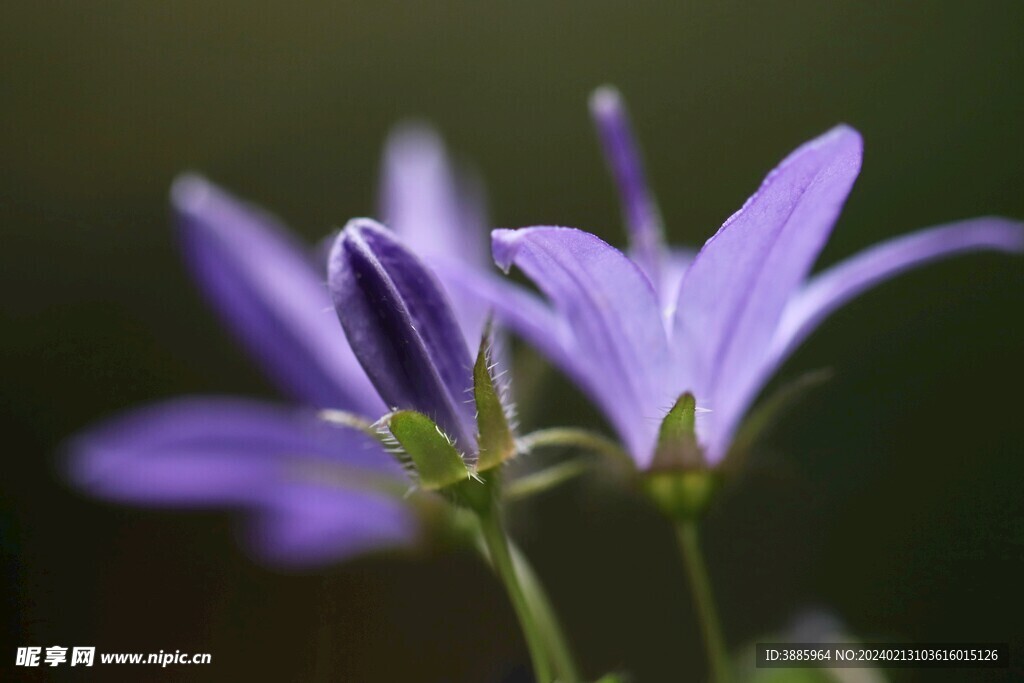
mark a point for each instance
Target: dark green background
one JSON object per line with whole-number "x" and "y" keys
{"x": 892, "y": 497}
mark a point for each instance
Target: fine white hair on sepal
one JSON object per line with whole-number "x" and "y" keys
{"x": 501, "y": 380}
{"x": 393, "y": 446}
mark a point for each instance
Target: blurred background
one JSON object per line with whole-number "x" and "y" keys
{"x": 890, "y": 498}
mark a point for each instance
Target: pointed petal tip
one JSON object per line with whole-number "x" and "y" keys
{"x": 842, "y": 145}
{"x": 363, "y": 225}
{"x": 356, "y": 230}
{"x": 842, "y": 134}
{"x": 504, "y": 245}
{"x": 1005, "y": 233}
{"x": 194, "y": 196}
{"x": 190, "y": 191}
{"x": 843, "y": 129}
{"x": 363, "y": 230}
{"x": 414, "y": 135}
{"x": 605, "y": 101}
{"x": 507, "y": 242}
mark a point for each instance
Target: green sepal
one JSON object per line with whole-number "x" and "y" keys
{"x": 679, "y": 480}
{"x": 682, "y": 494}
{"x": 495, "y": 439}
{"x": 677, "y": 447}
{"x": 438, "y": 464}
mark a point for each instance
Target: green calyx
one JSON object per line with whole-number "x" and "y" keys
{"x": 677, "y": 447}
{"x": 495, "y": 439}
{"x": 682, "y": 495}
{"x": 438, "y": 464}
{"x": 679, "y": 480}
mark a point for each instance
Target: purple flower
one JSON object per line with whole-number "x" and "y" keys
{"x": 402, "y": 329}
{"x": 636, "y": 333}
{"x": 449, "y": 415}
{"x": 315, "y": 492}
{"x": 448, "y": 424}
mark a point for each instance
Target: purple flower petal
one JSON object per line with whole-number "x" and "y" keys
{"x": 303, "y": 525}
{"x": 218, "y": 452}
{"x": 832, "y": 288}
{"x": 425, "y": 203}
{"x": 439, "y": 214}
{"x": 623, "y": 156}
{"x": 402, "y": 329}
{"x": 519, "y": 309}
{"x": 612, "y": 310}
{"x": 734, "y": 292}
{"x": 675, "y": 261}
{"x": 811, "y": 304}
{"x": 469, "y": 308}
{"x": 267, "y": 289}
{"x": 211, "y": 452}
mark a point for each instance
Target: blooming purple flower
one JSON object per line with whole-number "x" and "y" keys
{"x": 637, "y": 333}
{"x": 316, "y": 493}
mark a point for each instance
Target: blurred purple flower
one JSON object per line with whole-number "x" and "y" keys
{"x": 637, "y": 333}
{"x": 267, "y": 459}
{"x": 440, "y": 215}
{"x": 259, "y": 457}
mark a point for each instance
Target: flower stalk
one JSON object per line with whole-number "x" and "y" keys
{"x": 703, "y": 597}
{"x": 544, "y": 615}
{"x": 493, "y": 531}
{"x": 569, "y": 437}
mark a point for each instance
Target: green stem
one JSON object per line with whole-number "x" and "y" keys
{"x": 545, "y": 479}
{"x": 497, "y": 547}
{"x": 700, "y": 586}
{"x": 544, "y": 615}
{"x": 575, "y": 438}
